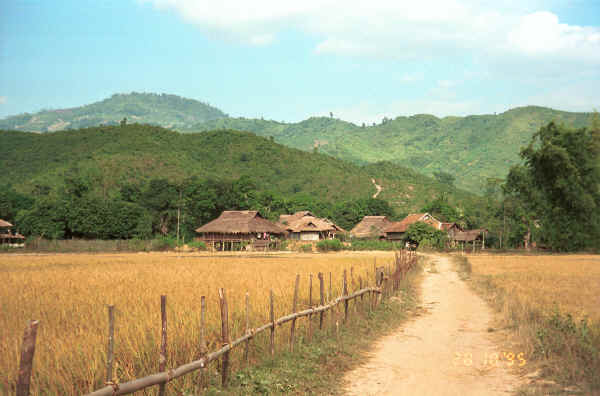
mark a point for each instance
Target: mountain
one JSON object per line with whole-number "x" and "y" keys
{"x": 169, "y": 111}
{"x": 471, "y": 148}
{"x": 115, "y": 155}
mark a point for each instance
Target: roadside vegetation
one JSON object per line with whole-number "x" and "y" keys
{"x": 549, "y": 305}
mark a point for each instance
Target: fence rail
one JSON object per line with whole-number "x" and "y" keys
{"x": 404, "y": 262}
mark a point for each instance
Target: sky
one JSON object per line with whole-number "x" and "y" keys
{"x": 289, "y": 60}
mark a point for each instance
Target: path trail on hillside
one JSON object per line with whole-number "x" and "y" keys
{"x": 377, "y": 187}
{"x": 421, "y": 357}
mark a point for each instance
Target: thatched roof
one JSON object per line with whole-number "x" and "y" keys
{"x": 371, "y": 227}
{"x": 305, "y": 221}
{"x": 402, "y": 226}
{"x": 469, "y": 235}
{"x": 447, "y": 226}
{"x": 4, "y": 223}
{"x": 240, "y": 222}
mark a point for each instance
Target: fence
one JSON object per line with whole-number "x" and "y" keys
{"x": 387, "y": 280}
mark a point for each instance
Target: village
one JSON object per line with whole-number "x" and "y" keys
{"x": 248, "y": 230}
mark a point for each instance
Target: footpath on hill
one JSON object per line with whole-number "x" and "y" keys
{"x": 440, "y": 352}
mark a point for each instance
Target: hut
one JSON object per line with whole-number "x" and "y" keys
{"x": 240, "y": 229}
{"x": 397, "y": 229}
{"x": 305, "y": 226}
{"x": 474, "y": 237}
{"x": 8, "y": 238}
{"x": 451, "y": 229}
{"x": 371, "y": 227}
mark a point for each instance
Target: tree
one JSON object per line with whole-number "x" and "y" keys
{"x": 444, "y": 178}
{"x": 425, "y": 234}
{"x": 558, "y": 187}
{"x": 330, "y": 114}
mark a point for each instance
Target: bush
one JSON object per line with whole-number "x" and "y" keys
{"x": 197, "y": 245}
{"x": 375, "y": 244}
{"x": 330, "y": 245}
{"x": 307, "y": 248}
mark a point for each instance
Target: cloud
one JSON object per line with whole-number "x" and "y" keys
{"x": 2, "y": 99}
{"x": 397, "y": 28}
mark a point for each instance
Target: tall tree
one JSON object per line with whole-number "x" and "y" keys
{"x": 558, "y": 186}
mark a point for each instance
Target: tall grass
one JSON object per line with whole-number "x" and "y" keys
{"x": 551, "y": 303}
{"x": 69, "y": 295}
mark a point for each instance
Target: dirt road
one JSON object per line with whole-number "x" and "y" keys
{"x": 377, "y": 187}
{"x": 440, "y": 352}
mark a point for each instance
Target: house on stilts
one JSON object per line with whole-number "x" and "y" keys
{"x": 240, "y": 230}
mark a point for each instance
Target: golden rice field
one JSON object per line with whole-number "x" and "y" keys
{"x": 69, "y": 294}
{"x": 570, "y": 283}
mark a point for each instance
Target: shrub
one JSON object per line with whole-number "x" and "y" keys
{"x": 307, "y": 248}
{"x": 375, "y": 244}
{"x": 330, "y": 245}
{"x": 197, "y": 245}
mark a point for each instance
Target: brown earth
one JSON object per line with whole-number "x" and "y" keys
{"x": 442, "y": 351}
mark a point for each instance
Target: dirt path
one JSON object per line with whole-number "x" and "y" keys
{"x": 427, "y": 356}
{"x": 377, "y": 187}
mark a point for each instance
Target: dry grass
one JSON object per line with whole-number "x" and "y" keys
{"x": 552, "y": 307}
{"x": 567, "y": 282}
{"x": 69, "y": 293}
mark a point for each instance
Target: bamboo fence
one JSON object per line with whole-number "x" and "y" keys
{"x": 404, "y": 262}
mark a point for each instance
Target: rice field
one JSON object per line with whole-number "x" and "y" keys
{"x": 569, "y": 283}
{"x": 551, "y": 305}
{"x": 69, "y": 295}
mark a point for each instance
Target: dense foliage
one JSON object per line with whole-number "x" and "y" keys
{"x": 556, "y": 192}
{"x": 425, "y": 235}
{"x": 96, "y": 167}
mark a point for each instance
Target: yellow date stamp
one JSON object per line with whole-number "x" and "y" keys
{"x": 489, "y": 359}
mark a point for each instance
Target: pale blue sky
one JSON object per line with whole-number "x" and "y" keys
{"x": 291, "y": 61}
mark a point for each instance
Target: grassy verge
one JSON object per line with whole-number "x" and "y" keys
{"x": 564, "y": 353}
{"x": 317, "y": 367}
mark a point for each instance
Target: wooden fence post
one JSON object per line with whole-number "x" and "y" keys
{"x": 310, "y": 305}
{"x": 203, "y": 348}
{"x": 162, "y": 363}
{"x": 247, "y": 346}
{"x": 345, "y": 295}
{"x": 294, "y": 310}
{"x": 360, "y": 287}
{"x": 26, "y": 363}
{"x": 111, "y": 343}
{"x": 329, "y": 298}
{"x": 322, "y": 299}
{"x": 272, "y": 317}
{"x": 224, "y": 335}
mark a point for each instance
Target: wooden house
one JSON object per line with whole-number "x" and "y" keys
{"x": 371, "y": 227}
{"x": 8, "y": 238}
{"x": 305, "y": 226}
{"x": 397, "y": 229}
{"x": 474, "y": 237}
{"x": 237, "y": 230}
{"x": 451, "y": 229}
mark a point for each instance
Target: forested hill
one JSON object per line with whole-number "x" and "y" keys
{"x": 472, "y": 148}
{"x": 112, "y": 156}
{"x": 169, "y": 111}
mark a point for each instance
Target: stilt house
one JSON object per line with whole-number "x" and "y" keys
{"x": 8, "y": 238}
{"x": 305, "y": 226}
{"x": 237, "y": 230}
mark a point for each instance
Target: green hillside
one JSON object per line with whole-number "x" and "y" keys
{"x": 471, "y": 148}
{"x": 170, "y": 111}
{"x": 113, "y": 156}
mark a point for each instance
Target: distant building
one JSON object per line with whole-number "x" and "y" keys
{"x": 305, "y": 226}
{"x": 8, "y": 238}
{"x": 397, "y": 230}
{"x": 237, "y": 230}
{"x": 371, "y": 227}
